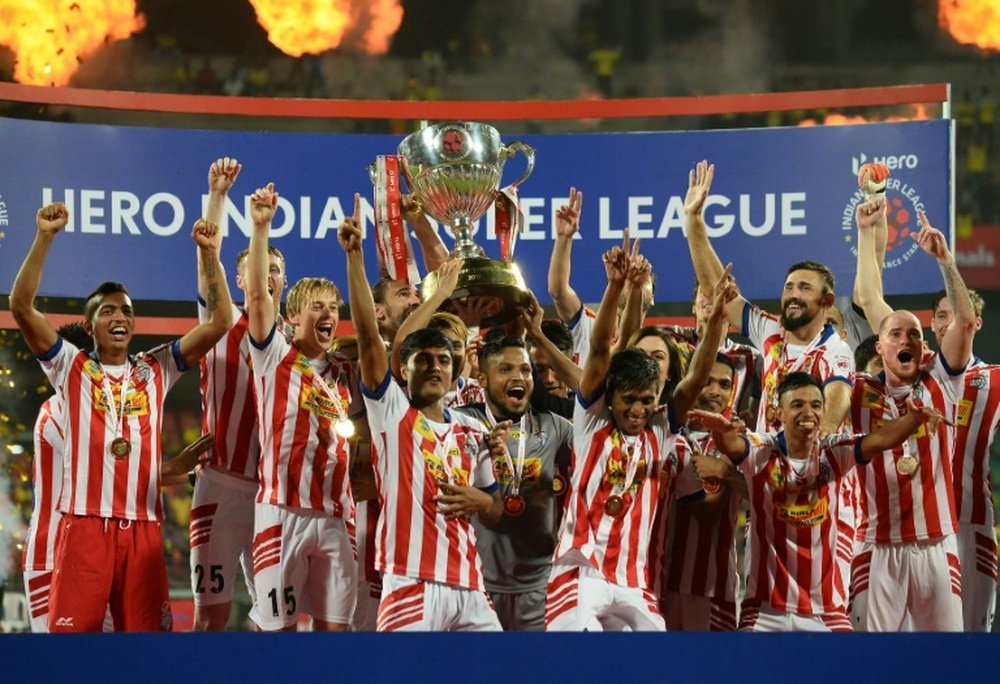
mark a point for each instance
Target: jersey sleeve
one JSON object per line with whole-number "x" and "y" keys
{"x": 757, "y": 453}
{"x": 266, "y": 354}
{"x": 169, "y": 358}
{"x": 386, "y": 404}
{"x": 839, "y": 361}
{"x": 844, "y": 451}
{"x": 758, "y": 325}
{"x": 952, "y": 380}
{"x": 56, "y": 362}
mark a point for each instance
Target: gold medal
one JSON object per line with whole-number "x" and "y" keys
{"x": 513, "y": 505}
{"x": 614, "y": 506}
{"x": 907, "y": 465}
{"x": 120, "y": 448}
{"x": 344, "y": 428}
{"x": 558, "y": 485}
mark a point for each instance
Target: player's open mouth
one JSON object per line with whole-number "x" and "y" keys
{"x": 516, "y": 392}
{"x": 807, "y": 424}
{"x": 325, "y": 328}
{"x": 119, "y": 331}
{"x": 904, "y": 357}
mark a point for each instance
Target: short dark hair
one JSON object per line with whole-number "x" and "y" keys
{"x": 93, "y": 300}
{"x": 76, "y": 334}
{"x": 495, "y": 347}
{"x": 428, "y": 338}
{"x": 381, "y": 287}
{"x": 676, "y": 372}
{"x": 558, "y": 334}
{"x": 797, "y": 380}
{"x": 632, "y": 369}
{"x": 978, "y": 303}
{"x": 865, "y": 352}
{"x": 829, "y": 282}
{"x": 725, "y": 361}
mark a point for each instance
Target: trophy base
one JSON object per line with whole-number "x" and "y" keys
{"x": 489, "y": 292}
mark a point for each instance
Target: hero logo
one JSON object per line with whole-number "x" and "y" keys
{"x": 899, "y": 161}
{"x": 903, "y": 201}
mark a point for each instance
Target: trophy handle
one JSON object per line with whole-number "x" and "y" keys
{"x": 372, "y": 173}
{"x": 508, "y": 151}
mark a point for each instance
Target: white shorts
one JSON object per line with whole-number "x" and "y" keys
{"x": 977, "y": 551}
{"x": 37, "y": 587}
{"x": 221, "y": 530}
{"x": 413, "y": 605}
{"x": 580, "y": 599}
{"x": 302, "y": 563}
{"x": 912, "y": 587}
{"x": 690, "y": 613}
{"x": 362, "y": 531}
{"x": 763, "y": 618}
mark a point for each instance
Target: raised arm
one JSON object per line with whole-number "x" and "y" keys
{"x": 956, "y": 344}
{"x": 616, "y": 265}
{"x": 218, "y": 304}
{"x": 727, "y": 433}
{"x": 707, "y": 266}
{"x": 260, "y": 305}
{"x": 567, "y": 371}
{"x": 372, "y": 357}
{"x": 431, "y": 245}
{"x": 564, "y": 297}
{"x": 221, "y": 176}
{"x": 703, "y": 359}
{"x": 870, "y": 220}
{"x": 35, "y": 327}
{"x": 421, "y": 317}
{"x": 640, "y": 273}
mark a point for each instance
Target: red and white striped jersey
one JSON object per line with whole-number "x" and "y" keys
{"x": 701, "y": 558}
{"x": 303, "y": 461}
{"x": 743, "y": 356}
{"x": 975, "y": 427}
{"x": 793, "y": 523}
{"x": 47, "y": 473}
{"x": 94, "y": 482}
{"x": 827, "y": 357}
{"x": 469, "y": 392}
{"x": 413, "y": 455}
{"x": 227, "y": 403}
{"x": 618, "y": 546}
{"x": 894, "y": 507}
{"x": 580, "y": 329}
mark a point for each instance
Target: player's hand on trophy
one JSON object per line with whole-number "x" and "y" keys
{"x": 931, "y": 239}
{"x": 52, "y": 218}
{"x": 472, "y": 348}
{"x": 413, "y": 210}
{"x": 617, "y": 260}
{"x": 263, "y": 204}
{"x": 222, "y": 174}
{"x": 568, "y": 215}
{"x": 871, "y": 212}
{"x": 349, "y": 231}
{"x": 699, "y": 185}
{"x": 532, "y": 316}
{"x": 447, "y": 274}
{"x": 207, "y": 235}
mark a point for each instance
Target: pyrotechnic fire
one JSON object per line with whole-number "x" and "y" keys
{"x": 50, "y": 38}
{"x": 975, "y": 22}
{"x": 919, "y": 114}
{"x": 298, "y": 27}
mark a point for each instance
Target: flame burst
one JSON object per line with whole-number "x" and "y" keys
{"x": 50, "y": 38}
{"x": 919, "y": 113}
{"x": 298, "y": 27}
{"x": 975, "y": 22}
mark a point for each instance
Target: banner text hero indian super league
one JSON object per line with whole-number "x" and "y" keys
{"x": 780, "y": 196}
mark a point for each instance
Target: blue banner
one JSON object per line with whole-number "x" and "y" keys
{"x": 780, "y": 195}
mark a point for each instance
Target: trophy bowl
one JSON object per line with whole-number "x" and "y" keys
{"x": 454, "y": 169}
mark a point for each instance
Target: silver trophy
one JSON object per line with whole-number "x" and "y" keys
{"x": 454, "y": 170}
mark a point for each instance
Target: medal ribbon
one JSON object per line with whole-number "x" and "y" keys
{"x": 333, "y": 396}
{"x": 636, "y": 449}
{"x": 507, "y": 221}
{"x": 449, "y": 442}
{"x": 109, "y": 393}
{"x": 395, "y": 250}
{"x": 522, "y": 440}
